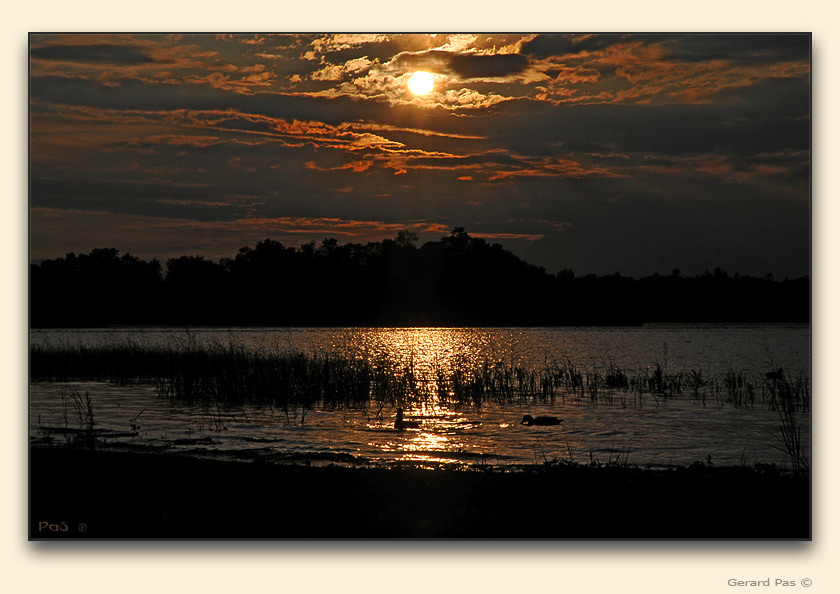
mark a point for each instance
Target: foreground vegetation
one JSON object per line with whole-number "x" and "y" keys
{"x": 457, "y": 281}
{"x": 136, "y": 495}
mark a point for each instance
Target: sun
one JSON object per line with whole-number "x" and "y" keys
{"x": 421, "y": 83}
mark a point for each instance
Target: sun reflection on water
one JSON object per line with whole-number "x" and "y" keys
{"x": 427, "y": 354}
{"x": 426, "y": 348}
{"x": 442, "y": 435}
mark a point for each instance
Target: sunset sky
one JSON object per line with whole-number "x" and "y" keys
{"x": 598, "y": 153}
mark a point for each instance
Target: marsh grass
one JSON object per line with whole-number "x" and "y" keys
{"x": 85, "y": 434}
{"x": 790, "y": 397}
{"x": 226, "y": 376}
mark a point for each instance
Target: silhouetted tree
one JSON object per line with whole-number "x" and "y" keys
{"x": 458, "y": 280}
{"x": 91, "y": 289}
{"x": 196, "y": 290}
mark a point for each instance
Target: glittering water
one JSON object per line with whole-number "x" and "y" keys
{"x": 659, "y": 431}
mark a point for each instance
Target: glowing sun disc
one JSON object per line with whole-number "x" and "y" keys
{"x": 421, "y": 83}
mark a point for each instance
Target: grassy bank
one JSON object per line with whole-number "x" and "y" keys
{"x": 128, "y": 495}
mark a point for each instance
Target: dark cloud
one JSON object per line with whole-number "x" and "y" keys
{"x": 239, "y": 124}
{"x": 757, "y": 48}
{"x": 166, "y": 200}
{"x": 479, "y": 66}
{"x": 479, "y": 159}
{"x": 559, "y": 44}
{"x": 770, "y": 116}
{"x": 465, "y": 65}
{"x": 382, "y": 51}
{"x": 119, "y": 55}
{"x": 739, "y": 48}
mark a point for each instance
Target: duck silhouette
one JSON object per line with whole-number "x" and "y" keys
{"x": 779, "y": 374}
{"x": 401, "y": 423}
{"x": 529, "y": 420}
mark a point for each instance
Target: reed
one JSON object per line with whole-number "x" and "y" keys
{"x": 616, "y": 379}
{"x": 697, "y": 384}
{"x": 231, "y": 376}
{"x": 85, "y": 436}
{"x": 741, "y": 390}
{"x": 228, "y": 376}
{"x": 790, "y": 398}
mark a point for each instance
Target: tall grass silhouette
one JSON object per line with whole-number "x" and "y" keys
{"x": 229, "y": 375}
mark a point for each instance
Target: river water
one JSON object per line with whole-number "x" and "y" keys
{"x": 646, "y": 431}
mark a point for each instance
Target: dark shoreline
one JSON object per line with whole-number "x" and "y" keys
{"x": 389, "y": 283}
{"x": 90, "y": 495}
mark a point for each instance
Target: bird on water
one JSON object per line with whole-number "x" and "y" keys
{"x": 401, "y": 423}
{"x": 779, "y": 374}
{"x": 529, "y": 420}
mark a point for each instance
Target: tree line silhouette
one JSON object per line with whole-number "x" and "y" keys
{"x": 457, "y": 281}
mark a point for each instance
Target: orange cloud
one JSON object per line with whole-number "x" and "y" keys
{"x": 297, "y": 226}
{"x": 355, "y": 166}
{"x": 154, "y": 60}
{"x": 555, "y": 168}
{"x": 652, "y": 74}
{"x": 576, "y": 75}
{"x": 524, "y": 236}
{"x": 182, "y": 140}
{"x": 719, "y": 166}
